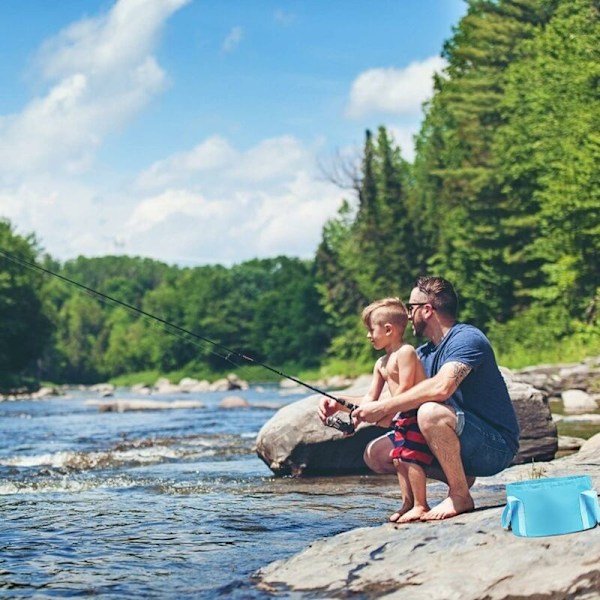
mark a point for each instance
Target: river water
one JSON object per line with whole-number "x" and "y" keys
{"x": 158, "y": 504}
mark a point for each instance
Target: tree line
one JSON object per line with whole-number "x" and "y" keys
{"x": 502, "y": 199}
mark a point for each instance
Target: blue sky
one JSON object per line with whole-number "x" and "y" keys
{"x": 194, "y": 132}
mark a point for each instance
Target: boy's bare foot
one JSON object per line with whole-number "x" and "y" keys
{"x": 397, "y": 515}
{"x": 414, "y": 514}
{"x": 450, "y": 507}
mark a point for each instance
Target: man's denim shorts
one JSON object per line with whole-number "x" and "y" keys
{"x": 483, "y": 450}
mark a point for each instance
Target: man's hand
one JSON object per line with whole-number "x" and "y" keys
{"x": 371, "y": 412}
{"x": 327, "y": 407}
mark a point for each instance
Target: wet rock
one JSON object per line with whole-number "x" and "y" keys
{"x": 468, "y": 557}
{"x": 142, "y": 404}
{"x": 164, "y": 386}
{"x": 141, "y": 388}
{"x": 105, "y": 390}
{"x": 192, "y": 386}
{"x": 592, "y": 419}
{"x": 553, "y": 379}
{"x": 229, "y": 383}
{"x": 294, "y": 441}
{"x": 44, "y": 392}
{"x": 289, "y": 384}
{"x": 568, "y": 443}
{"x": 539, "y": 439}
{"x": 234, "y": 402}
{"x": 578, "y": 401}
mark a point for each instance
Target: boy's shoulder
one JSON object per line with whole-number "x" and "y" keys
{"x": 406, "y": 351}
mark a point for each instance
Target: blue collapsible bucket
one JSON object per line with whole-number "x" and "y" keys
{"x": 551, "y": 506}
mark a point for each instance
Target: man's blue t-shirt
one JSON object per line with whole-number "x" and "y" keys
{"x": 483, "y": 391}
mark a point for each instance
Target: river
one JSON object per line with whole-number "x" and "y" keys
{"x": 158, "y": 504}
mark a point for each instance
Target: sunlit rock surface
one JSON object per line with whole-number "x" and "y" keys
{"x": 294, "y": 441}
{"x": 467, "y": 557}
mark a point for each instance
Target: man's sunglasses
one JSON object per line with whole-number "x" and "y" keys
{"x": 411, "y": 305}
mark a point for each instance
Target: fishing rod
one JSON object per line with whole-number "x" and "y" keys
{"x": 335, "y": 422}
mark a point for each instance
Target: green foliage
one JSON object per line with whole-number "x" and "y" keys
{"x": 95, "y": 337}
{"x": 503, "y": 196}
{"x": 177, "y": 320}
{"x": 543, "y": 334}
{"x": 24, "y": 324}
{"x": 456, "y": 172}
{"x": 369, "y": 251}
{"x": 548, "y": 154}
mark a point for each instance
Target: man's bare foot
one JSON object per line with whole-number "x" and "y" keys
{"x": 397, "y": 515}
{"x": 450, "y": 507}
{"x": 414, "y": 514}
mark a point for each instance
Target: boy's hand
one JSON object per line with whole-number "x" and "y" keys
{"x": 327, "y": 407}
{"x": 371, "y": 412}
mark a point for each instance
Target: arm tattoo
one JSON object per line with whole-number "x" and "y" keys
{"x": 460, "y": 371}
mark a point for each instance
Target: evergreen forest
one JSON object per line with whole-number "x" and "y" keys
{"x": 502, "y": 199}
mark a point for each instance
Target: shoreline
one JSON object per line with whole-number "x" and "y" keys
{"x": 467, "y": 557}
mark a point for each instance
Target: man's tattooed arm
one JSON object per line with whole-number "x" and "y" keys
{"x": 459, "y": 372}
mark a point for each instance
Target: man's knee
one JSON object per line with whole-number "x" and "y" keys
{"x": 431, "y": 415}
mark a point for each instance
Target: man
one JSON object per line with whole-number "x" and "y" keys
{"x": 464, "y": 410}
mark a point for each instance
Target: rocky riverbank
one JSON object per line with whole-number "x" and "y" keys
{"x": 465, "y": 558}
{"x": 470, "y": 556}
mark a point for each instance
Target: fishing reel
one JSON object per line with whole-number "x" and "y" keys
{"x": 340, "y": 424}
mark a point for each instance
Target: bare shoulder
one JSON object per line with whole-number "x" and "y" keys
{"x": 406, "y": 351}
{"x": 406, "y": 356}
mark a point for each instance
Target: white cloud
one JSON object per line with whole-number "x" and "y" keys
{"x": 158, "y": 209}
{"x": 404, "y": 137}
{"x": 263, "y": 201}
{"x": 109, "y": 45}
{"x": 212, "y": 154}
{"x": 291, "y": 222}
{"x": 233, "y": 39}
{"x": 69, "y": 218}
{"x": 393, "y": 91}
{"x": 212, "y": 203}
{"x": 100, "y": 73}
{"x": 271, "y": 159}
{"x": 215, "y": 159}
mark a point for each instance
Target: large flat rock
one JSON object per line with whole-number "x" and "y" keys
{"x": 468, "y": 557}
{"x": 295, "y": 442}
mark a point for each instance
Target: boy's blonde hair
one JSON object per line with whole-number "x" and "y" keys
{"x": 389, "y": 310}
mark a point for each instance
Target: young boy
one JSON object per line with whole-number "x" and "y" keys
{"x": 400, "y": 368}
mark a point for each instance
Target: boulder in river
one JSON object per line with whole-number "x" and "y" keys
{"x": 294, "y": 441}
{"x": 135, "y": 404}
{"x": 578, "y": 401}
{"x": 234, "y": 402}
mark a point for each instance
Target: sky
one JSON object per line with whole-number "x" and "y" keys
{"x": 200, "y": 132}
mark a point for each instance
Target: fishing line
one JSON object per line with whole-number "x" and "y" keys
{"x": 179, "y": 331}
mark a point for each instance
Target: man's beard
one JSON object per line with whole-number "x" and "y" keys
{"x": 418, "y": 328}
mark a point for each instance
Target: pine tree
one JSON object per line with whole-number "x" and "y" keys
{"x": 370, "y": 251}
{"x": 456, "y": 177}
{"x": 549, "y": 161}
